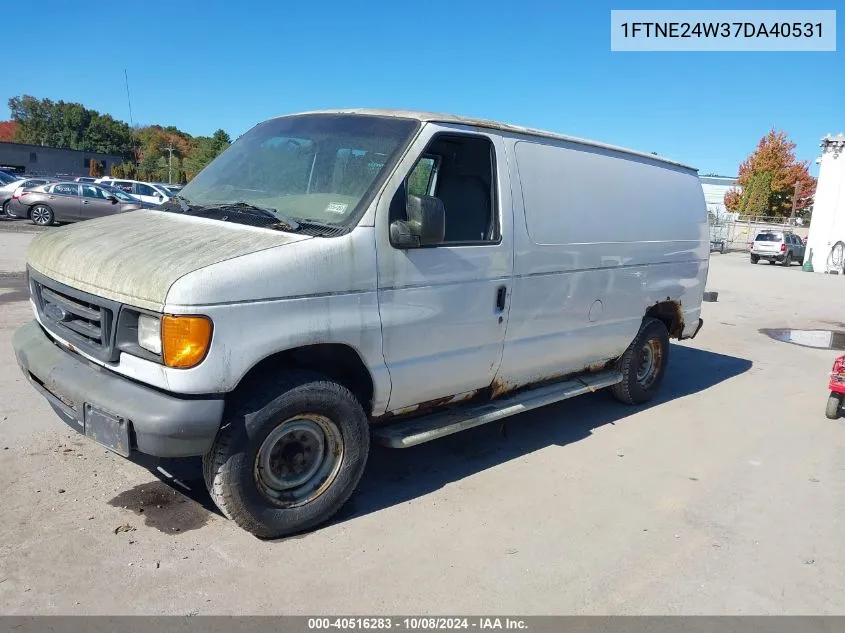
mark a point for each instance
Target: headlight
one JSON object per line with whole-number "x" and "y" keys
{"x": 149, "y": 333}
{"x": 184, "y": 340}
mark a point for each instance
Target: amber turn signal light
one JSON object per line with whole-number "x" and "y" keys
{"x": 184, "y": 340}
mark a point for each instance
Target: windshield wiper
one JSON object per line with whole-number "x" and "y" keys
{"x": 247, "y": 208}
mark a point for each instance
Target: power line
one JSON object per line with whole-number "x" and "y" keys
{"x": 128, "y": 98}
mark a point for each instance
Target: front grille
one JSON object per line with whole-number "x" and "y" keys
{"x": 82, "y": 319}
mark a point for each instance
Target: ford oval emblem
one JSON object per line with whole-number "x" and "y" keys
{"x": 54, "y": 312}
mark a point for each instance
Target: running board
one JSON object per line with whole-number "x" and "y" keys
{"x": 436, "y": 425}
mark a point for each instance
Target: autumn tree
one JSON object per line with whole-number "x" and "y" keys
{"x": 7, "y": 131}
{"x": 768, "y": 177}
{"x": 95, "y": 168}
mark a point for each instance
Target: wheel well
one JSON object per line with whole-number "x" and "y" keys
{"x": 669, "y": 312}
{"x": 336, "y": 361}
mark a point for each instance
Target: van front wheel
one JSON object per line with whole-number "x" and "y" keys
{"x": 288, "y": 456}
{"x": 643, "y": 364}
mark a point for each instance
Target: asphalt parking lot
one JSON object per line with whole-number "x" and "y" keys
{"x": 726, "y": 496}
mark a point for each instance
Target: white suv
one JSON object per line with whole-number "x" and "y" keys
{"x": 777, "y": 246}
{"x": 144, "y": 191}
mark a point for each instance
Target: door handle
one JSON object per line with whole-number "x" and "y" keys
{"x": 84, "y": 202}
{"x": 501, "y": 294}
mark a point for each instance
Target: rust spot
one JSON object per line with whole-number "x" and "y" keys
{"x": 671, "y": 314}
{"x": 429, "y": 406}
{"x": 498, "y": 388}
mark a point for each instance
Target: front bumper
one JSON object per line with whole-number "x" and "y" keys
{"x": 161, "y": 424}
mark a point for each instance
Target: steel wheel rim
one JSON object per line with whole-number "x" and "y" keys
{"x": 40, "y": 215}
{"x": 299, "y": 460}
{"x": 651, "y": 358}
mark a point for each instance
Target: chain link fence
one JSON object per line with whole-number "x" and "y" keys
{"x": 734, "y": 232}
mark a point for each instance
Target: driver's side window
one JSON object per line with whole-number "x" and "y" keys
{"x": 459, "y": 170}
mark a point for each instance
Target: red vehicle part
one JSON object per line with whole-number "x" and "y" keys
{"x": 836, "y": 385}
{"x": 837, "y": 376}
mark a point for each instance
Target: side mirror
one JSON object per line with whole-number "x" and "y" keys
{"x": 159, "y": 196}
{"x": 426, "y": 223}
{"x": 113, "y": 199}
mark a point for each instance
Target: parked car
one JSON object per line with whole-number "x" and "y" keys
{"x": 144, "y": 191}
{"x": 9, "y": 189}
{"x": 70, "y": 202}
{"x": 427, "y": 273}
{"x": 778, "y": 246}
{"x": 173, "y": 189}
{"x": 6, "y": 177}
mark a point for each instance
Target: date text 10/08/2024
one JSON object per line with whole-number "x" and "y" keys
{"x": 416, "y": 623}
{"x": 721, "y": 29}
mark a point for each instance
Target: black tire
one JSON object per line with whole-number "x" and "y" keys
{"x": 5, "y": 209}
{"x": 640, "y": 389}
{"x": 834, "y": 405}
{"x": 41, "y": 215}
{"x": 771, "y": 261}
{"x": 755, "y": 259}
{"x": 238, "y": 484}
{"x": 787, "y": 260}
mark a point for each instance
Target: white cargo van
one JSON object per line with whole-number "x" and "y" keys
{"x": 338, "y": 275}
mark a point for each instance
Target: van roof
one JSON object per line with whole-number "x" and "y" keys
{"x": 495, "y": 125}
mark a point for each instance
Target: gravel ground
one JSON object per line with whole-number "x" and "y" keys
{"x": 723, "y": 497}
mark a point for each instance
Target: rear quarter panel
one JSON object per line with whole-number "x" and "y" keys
{"x": 601, "y": 236}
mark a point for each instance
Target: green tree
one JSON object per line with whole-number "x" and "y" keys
{"x": 70, "y": 125}
{"x": 124, "y": 170}
{"x": 33, "y": 118}
{"x": 207, "y": 148}
{"x": 147, "y": 168}
{"x": 757, "y": 197}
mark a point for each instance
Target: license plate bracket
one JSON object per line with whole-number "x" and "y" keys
{"x": 110, "y": 431}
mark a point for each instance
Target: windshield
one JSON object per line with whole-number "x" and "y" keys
{"x": 768, "y": 237}
{"x": 120, "y": 195}
{"x": 5, "y": 178}
{"x": 318, "y": 167}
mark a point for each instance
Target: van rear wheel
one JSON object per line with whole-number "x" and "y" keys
{"x": 643, "y": 364}
{"x": 288, "y": 456}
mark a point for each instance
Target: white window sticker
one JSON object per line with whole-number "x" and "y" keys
{"x": 336, "y": 207}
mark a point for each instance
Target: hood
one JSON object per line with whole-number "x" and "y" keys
{"x": 135, "y": 257}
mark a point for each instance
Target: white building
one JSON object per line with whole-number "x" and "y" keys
{"x": 826, "y": 240}
{"x": 715, "y": 188}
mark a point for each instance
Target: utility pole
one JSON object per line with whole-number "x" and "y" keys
{"x": 794, "y": 203}
{"x": 169, "y": 149}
